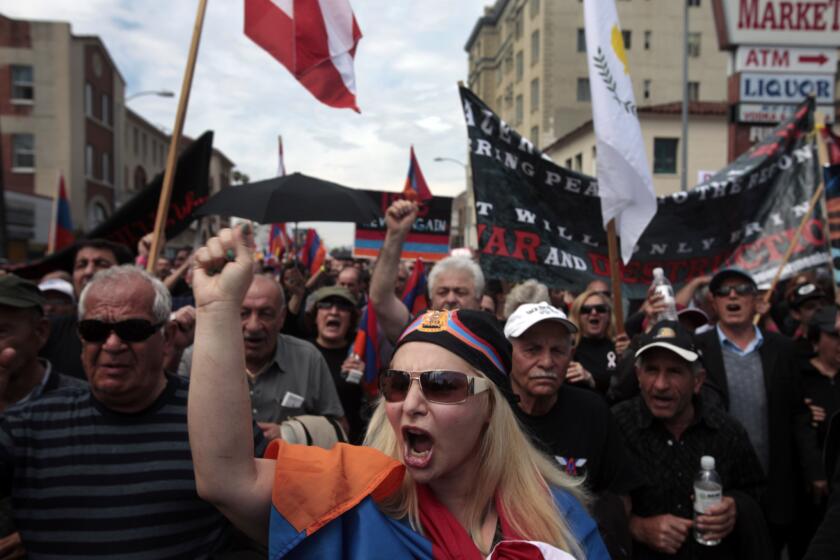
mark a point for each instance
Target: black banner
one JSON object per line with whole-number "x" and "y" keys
{"x": 538, "y": 220}
{"x": 136, "y": 217}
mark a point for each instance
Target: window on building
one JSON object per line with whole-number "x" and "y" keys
{"x": 97, "y": 214}
{"x": 594, "y": 164}
{"x": 136, "y": 142}
{"x": 535, "y": 47}
{"x": 88, "y": 100}
{"x": 535, "y": 136}
{"x": 534, "y": 7}
{"x": 581, "y": 40}
{"x": 519, "y": 116}
{"x": 88, "y": 161}
{"x": 665, "y": 155}
{"x": 23, "y": 152}
{"x": 535, "y": 95}
{"x": 144, "y": 145}
{"x": 646, "y": 89}
{"x": 569, "y": 163}
{"x": 106, "y": 168}
{"x": 694, "y": 3}
{"x": 106, "y": 109}
{"x": 520, "y": 66}
{"x": 508, "y": 61}
{"x": 579, "y": 162}
{"x": 23, "y": 85}
{"x": 627, "y": 36}
{"x": 139, "y": 178}
{"x": 647, "y": 40}
{"x": 694, "y": 91}
{"x": 583, "y": 93}
{"x": 518, "y": 25}
{"x": 498, "y": 74}
{"x": 694, "y": 44}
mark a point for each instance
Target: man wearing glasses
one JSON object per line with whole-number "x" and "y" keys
{"x": 755, "y": 376}
{"x": 106, "y": 467}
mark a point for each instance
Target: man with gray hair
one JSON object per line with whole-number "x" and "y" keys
{"x": 454, "y": 282}
{"x": 106, "y": 470}
{"x": 668, "y": 428}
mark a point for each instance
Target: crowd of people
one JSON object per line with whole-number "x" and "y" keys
{"x": 219, "y": 408}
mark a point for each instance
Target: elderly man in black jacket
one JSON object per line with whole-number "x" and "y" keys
{"x": 755, "y": 375}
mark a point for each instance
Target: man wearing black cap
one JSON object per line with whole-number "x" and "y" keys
{"x": 570, "y": 424}
{"x": 755, "y": 375}
{"x": 667, "y": 429}
{"x": 24, "y": 376}
{"x": 23, "y": 331}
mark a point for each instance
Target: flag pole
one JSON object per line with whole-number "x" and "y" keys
{"x": 615, "y": 277}
{"x": 795, "y": 241}
{"x": 54, "y": 218}
{"x": 169, "y": 176}
{"x": 822, "y": 151}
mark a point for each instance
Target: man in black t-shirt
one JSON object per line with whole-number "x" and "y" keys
{"x": 572, "y": 425}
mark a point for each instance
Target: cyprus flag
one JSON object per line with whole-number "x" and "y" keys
{"x": 625, "y": 184}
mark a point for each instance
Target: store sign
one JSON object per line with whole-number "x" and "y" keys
{"x": 780, "y": 88}
{"x": 771, "y": 113}
{"x": 785, "y": 59}
{"x": 805, "y": 23}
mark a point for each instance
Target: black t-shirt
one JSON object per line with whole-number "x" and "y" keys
{"x": 350, "y": 394}
{"x": 581, "y": 435}
{"x": 597, "y": 356}
{"x": 63, "y": 348}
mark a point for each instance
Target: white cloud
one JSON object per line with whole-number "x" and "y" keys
{"x": 407, "y": 65}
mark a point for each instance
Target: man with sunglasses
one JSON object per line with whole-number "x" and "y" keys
{"x": 287, "y": 376}
{"x": 755, "y": 376}
{"x": 106, "y": 467}
{"x": 571, "y": 424}
{"x": 335, "y": 315}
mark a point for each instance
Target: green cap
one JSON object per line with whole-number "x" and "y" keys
{"x": 17, "y": 292}
{"x": 333, "y": 291}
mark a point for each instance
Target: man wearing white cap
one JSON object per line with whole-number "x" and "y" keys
{"x": 571, "y": 424}
{"x": 59, "y": 297}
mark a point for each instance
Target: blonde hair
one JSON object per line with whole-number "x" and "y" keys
{"x": 574, "y": 314}
{"x": 510, "y": 466}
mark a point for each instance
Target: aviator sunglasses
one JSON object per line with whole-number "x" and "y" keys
{"x": 438, "y": 386}
{"x": 740, "y": 289}
{"x": 130, "y": 330}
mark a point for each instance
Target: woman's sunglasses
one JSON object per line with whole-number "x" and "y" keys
{"x": 130, "y": 330}
{"x": 439, "y": 386}
{"x": 587, "y": 309}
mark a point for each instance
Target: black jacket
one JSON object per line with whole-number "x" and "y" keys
{"x": 792, "y": 440}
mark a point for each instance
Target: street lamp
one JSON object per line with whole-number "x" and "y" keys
{"x": 159, "y": 93}
{"x": 453, "y": 160}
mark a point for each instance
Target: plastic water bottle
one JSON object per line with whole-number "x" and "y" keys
{"x": 708, "y": 491}
{"x": 661, "y": 285}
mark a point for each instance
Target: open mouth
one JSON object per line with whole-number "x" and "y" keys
{"x": 661, "y": 400}
{"x": 733, "y": 307}
{"x": 333, "y": 322}
{"x": 418, "y": 445}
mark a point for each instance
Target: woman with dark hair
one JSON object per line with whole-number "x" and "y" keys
{"x": 446, "y": 471}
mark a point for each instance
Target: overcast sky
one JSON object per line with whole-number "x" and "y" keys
{"x": 407, "y": 67}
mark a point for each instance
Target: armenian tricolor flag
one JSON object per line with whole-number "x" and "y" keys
{"x": 369, "y": 329}
{"x": 416, "y": 188}
{"x": 414, "y": 295}
{"x": 313, "y": 253}
{"x": 279, "y": 240}
{"x": 61, "y": 232}
{"x": 832, "y": 143}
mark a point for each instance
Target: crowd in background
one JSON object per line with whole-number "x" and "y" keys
{"x": 95, "y": 365}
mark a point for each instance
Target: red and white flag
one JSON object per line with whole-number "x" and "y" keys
{"x": 315, "y": 39}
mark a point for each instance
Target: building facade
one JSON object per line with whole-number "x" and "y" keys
{"x": 527, "y": 60}
{"x": 63, "y": 113}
